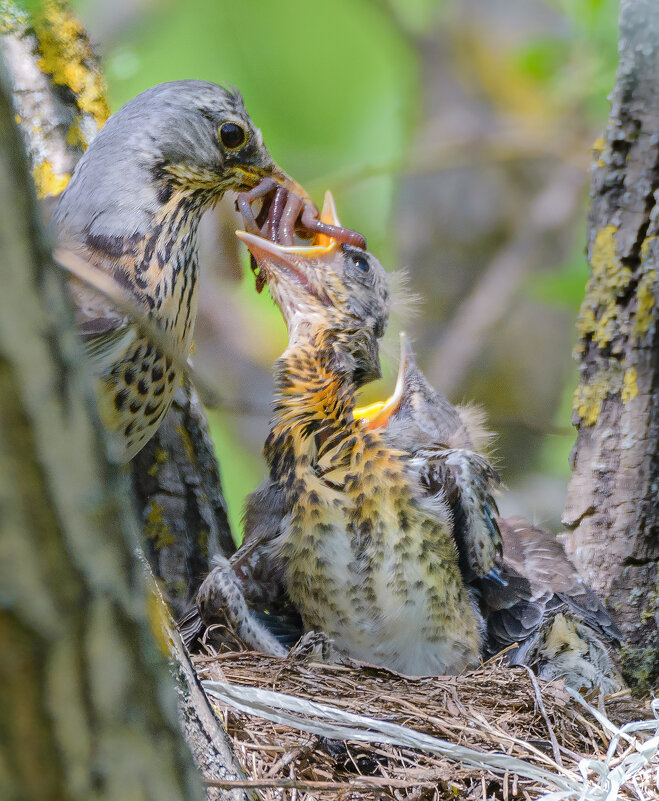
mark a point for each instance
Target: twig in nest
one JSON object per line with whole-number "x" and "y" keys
{"x": 363, "y": 783}
{"x": 543, "y": 712}
{"x": 291, "y": 756}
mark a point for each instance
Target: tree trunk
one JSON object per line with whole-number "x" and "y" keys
{"x": 86, "y": 700}
{"x": 612, "y": 509}
{"x": 59, "y": 96}
{"x": 176, "y": 481}
{"x": 89, "y": 708}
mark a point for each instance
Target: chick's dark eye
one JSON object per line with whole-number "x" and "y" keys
{"x": 361, "y": 263}
{"x": 232, "y": 135}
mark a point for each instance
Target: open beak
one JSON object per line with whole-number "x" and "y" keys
{"x": 291, "y": 255}
{"x": 292, "y": 261}
{"x": 265, "y": 250}
{"x": 377, "y": 414}
{"x": 253, "y": 175}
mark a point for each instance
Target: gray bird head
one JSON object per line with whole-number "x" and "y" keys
{"x": 415, "y": 415}
{"x": 191, "y": 137}
{"x": 333, "y": 295}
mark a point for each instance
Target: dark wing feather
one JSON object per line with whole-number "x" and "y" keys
{"x": 540, "y": 582}
{"x": 543, "y": 560}
{"x": 285, "y": 628}
{"x": 468, "y": 481}
{"x": 260, "y": 573}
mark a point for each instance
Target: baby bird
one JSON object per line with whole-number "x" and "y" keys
{"x": 531, "y": 595}
{"x": 366, "y": 552}
{"x": 131, "y": 210}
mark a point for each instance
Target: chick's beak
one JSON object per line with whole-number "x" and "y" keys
{"x": 294, "y": 258}
{"x": 377, "y": 415}
{"x": 289, "y": 264}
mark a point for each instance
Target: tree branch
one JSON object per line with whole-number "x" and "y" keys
{"x": 613, "y": 499}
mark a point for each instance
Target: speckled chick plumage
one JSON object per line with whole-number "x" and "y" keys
{"x": 132, "y": 209}
{"x": 366, "y": 555}
{"x": 534, "y": 603}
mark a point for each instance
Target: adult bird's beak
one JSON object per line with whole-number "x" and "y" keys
{"x": 377, "y": 414}
{"x": 254, "y": 174}
{"x": 291, "y": 184}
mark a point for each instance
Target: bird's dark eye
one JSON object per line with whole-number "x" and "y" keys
{"x": 232, "y": 135}
{"x": 361, "y": 263}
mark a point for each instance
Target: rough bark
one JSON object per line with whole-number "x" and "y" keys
{"x": 612, "y": 509}
{"x": 176, "y": 481}
{"x": 58, "y": 102}
{"x": 87, "y": 703}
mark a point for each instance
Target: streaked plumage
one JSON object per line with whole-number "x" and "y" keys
{"x": 132, "y": 209}
{"x": 357, "y": 498}
{"x": 529, "y": 591}
{"x": 366, "y": 552}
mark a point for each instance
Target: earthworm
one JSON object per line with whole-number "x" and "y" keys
{"x": 286, "y": 228}
{"x": 284, "y": 213}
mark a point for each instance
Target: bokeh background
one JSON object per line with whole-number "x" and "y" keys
{"x": 457, "y": 136}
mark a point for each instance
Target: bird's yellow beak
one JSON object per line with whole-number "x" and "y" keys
{"x": 290, "y": 183}
{"x": 378, "y": 414}
{"x": 322, "y": 244}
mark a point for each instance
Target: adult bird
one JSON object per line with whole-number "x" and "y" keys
{"x": 131, "y": 210}
{"x": 532, "y": 599}
{"x": 366, "y": 555}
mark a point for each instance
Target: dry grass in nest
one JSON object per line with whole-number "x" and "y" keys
{"x": 493, "y": 709}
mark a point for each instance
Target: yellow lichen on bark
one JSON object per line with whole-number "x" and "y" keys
{"x": 67, "y": 57}
{"x": 159, "y": 457}
{"x": 645, "y": 295}
{"x": 629, "y": 386}
{"x": 589, "y": 397}
{"x": 599, "y": 145}
{"x": 47, "y": 182}
{"x": 600, "y": 311}
{"x": 606, "y": 322}
{"x": 187, "y": 443}
{"x": 156, "y": 529}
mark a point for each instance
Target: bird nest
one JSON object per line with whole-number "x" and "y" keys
{"x": 306, "y": 730}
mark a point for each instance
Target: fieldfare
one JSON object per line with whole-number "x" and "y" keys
{"x": 365, "y": 553}
{"x": 131, "y": 211}
{"x": 530, "y": 594}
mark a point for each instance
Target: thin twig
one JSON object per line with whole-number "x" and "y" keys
{"x": 364, "y": 783}
{"x": 291, "y": 756}
{"x": 543, "y": 712}
{"x": 499, "y": 654}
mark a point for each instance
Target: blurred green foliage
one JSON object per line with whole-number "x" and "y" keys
{"x": 332, "y": 92}
{"x": 337, "y": 89}
{"x": 579, "y": 66}
{"x": 241, "y": 471}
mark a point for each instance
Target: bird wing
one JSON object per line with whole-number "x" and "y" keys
{"x": 106, "y": 348}
{"x": 547, "y": 566}
{"x": 468, "y": 481}
{"x": 259, "y": 570}
{"x": 105, "y": 301}
{"x": 538, "y": 582}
